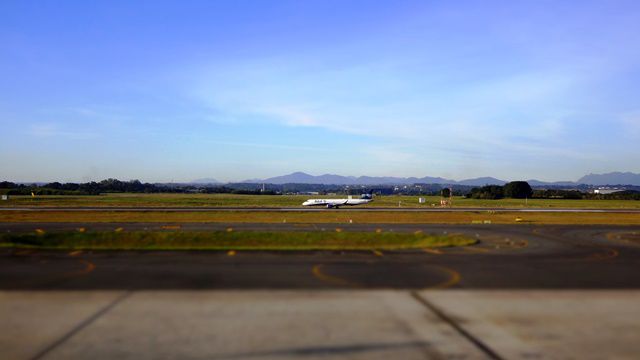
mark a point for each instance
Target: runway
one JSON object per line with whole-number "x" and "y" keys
{"x": 507, "y": 257}
{"x": 523, "y": 292}
{"x": 317, "y": 209}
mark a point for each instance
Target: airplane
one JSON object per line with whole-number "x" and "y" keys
{"x": 336, "y": 203}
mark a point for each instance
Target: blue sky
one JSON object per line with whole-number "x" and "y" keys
{"x": 180, "y": 90}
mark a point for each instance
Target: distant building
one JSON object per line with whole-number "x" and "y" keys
{"x": 605, "y": 191}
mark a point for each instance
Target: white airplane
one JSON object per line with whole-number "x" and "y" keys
{"x": 336, "y": 203}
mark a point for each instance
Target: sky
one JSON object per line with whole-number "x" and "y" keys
{"x": 179, "y": 90}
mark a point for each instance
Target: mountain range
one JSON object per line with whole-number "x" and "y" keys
{"x": 331, "y": 179}
{"x": 205, "y": 181}
{"x": 613, "y": 178}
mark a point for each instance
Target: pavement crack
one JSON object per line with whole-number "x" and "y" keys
{"x": 491, "y": 354}
{"x": 88, "y": 321}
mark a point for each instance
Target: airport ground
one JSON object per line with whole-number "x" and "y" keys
{"x": 525, "y": 290}
{"x": 279, "y": 201}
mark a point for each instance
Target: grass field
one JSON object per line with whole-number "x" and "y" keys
{"x": 231, "y": 200}
{"x": 231, "y": 241}
{"x": 329, "y": 216}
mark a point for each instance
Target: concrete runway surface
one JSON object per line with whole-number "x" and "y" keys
{"x": 525, "y": 292}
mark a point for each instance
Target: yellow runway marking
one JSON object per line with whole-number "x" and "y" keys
{"x": 608, "y": 254}
{"x": 432, "y": 251}
{"x": 454, "y": 278}
{"x": 229, "y": 229}
{"x": 75, "y": 253}
{"x": 89, "y": 267}
{"x": 624, "y": 237}
{"x": 39, "y": 231}
{"x": 377, "y": 253}
{"x": 338, "y": 230}
{"x": 317, "y": 272}
{"x": 231, "y": 252}
{"x": 475, "y": 249}
{"x": 118, "y": 229}
{"x": 378, "y": 231}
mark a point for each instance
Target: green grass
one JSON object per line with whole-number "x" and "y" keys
{"x": 219, "y": 240}
{"x": 232, "y": 200}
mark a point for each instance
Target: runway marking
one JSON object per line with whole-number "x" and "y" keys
{"x": 338, "y": 230}
{"x": 118, "y": 229}
{"x": 624, "y": 237}
{"x": 317, "y": 272}
{"x": 81, "y": 229}
{"x": 231, "y": 253}
{"x": 475, "y": 249}
{"x": 229, "y": 230}
{"x": 75, "y": 253}
{"x": 377, "y": 253}
{"x": 432, "y": 251}
{"x": 39, "y": 231}
{"x": 607, "y": 255}
{"x": 89, "y": 267}
{"x": 454, "y": 278}
{"x": 170, "y": 227}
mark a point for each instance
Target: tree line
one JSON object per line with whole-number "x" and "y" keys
{"x": 514, "y": 189}
{"x": 117, "y": 186}
{"x": 522, "y": 190}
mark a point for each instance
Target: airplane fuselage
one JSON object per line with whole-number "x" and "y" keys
{"x": 335, "y": 203}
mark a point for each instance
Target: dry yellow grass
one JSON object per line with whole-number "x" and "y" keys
{"x": 326, "y": 217}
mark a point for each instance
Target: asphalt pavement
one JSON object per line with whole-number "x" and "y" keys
{"x": 506, "y": 257}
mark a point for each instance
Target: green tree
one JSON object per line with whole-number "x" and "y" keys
{"x": 490, "y": 192}
{"x": 517, "y": 190}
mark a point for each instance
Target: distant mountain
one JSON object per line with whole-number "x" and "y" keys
{"x": 304, "y": 178}
{"x": 430, "y": 180}
{"x": 534, "y": 182}
{"x": 481, "y": 181}
{"x": 331, "y": 179}
{"x": 612, "y": 178}
{"x": 205, "y": 181}
{"x": 615, "y": 178}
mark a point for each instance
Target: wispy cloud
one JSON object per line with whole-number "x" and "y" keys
{"x": 52, "y": 130}
{"x": 266, "y": 145}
